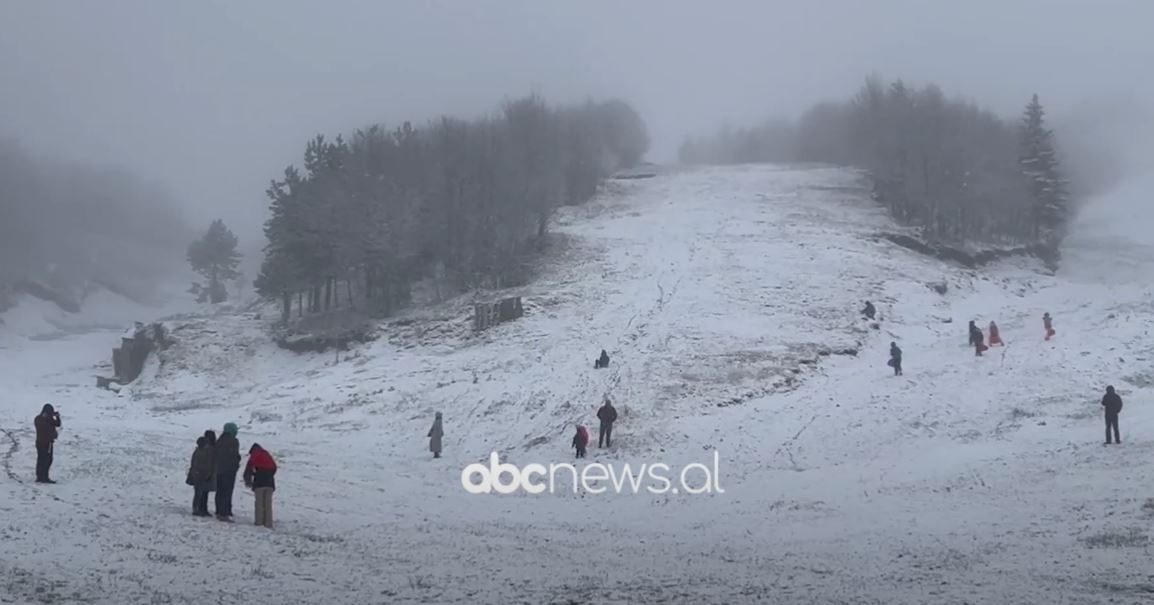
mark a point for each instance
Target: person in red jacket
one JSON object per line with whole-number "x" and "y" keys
{"x": 995, "y": 335}
{"x": 259, "y": 476}
{"x": 581, "y": 441}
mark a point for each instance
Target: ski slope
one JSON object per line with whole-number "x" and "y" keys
{"x": 727, "y": 299}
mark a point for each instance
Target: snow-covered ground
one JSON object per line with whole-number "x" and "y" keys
{"x": 727, "y": 299}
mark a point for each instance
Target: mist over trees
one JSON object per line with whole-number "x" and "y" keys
{"x": 67, "y": 227}
{"x": 462, "y": 201}
{"x": 214, "y": 256}
{"x": 956, "y": 171}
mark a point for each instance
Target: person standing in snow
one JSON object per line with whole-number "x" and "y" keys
{"x": 259, "y": 477}
{"x": 995, "y": 336}
{"x": 869, "y": 311}
{"x": 602, "y": 361}
{"x": 607, "y": 415}
{"x": 975, "y": 333}
{"x": 227, "y": 465}
{"x": 435, "y": 435}
{"x": 201, "y": 474}
{"x": 46, "y": 423}
{"x": 581, "y": 441}
{"x": 896, "y": 358}
{"x": 1113, "y": 405}
{"x": 1048, "y": 324}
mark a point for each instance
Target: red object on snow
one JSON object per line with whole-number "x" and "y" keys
{"x": 995, "y": 336}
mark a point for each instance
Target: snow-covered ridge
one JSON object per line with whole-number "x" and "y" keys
{"x": 967, "y": 480}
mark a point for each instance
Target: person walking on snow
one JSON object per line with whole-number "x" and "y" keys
{"x": 1048, "y": 324}
{"x": 259, "y": 476}
{"x": 995, "y": 336}
{"x": 46, "y": 423}
{"x": 975, "y": 333}
{"x": 435, "y": 435}
{"x": 201, "y": 475}
{"x": 227, "y": 465}
{"x": 896, "y": 358}
{"x": 607, "y": 415}
{"x": 581, "y": 441}
{"x": 1113, "y": 405}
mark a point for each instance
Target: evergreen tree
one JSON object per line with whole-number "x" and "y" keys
{"x": 214, "y": 256}
{"x": 1039, "y": 163}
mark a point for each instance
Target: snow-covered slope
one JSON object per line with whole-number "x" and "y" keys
{"x": 728, "y": 300}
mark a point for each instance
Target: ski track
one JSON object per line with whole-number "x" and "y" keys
{"x": 968, "y": 480}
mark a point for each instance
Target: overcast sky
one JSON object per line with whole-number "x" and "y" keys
{"x": 214, "y": 98}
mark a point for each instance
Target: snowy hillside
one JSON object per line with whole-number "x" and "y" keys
{"x": 728, "y": 300}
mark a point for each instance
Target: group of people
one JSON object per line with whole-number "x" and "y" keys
{"x": 978, "y": 339}
{"x": 607, "y": 415}
{"x": 214, "y": 467}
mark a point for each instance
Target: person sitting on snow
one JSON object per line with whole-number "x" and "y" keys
{"x": 869, "y": 311}
{"x": 601, "y": 362}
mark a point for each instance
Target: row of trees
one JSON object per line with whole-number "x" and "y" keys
{"x": 461, "y": 200}
{"x": 957, "y": 171}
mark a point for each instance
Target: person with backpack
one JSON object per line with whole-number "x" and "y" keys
{"x": 607, "y": 415}
{"x": 46, "y": 423}
{"x": 227, "y": 464}
{"x": 581, "y": 441}
{"x": 1112, "y": 404}
{"x": 201, "y": 475}
{"x": 895, "y": 359}
{"x": 259, "y": 476}
{"x": 435, "y": 435}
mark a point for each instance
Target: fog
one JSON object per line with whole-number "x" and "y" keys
{"x": 214, "y": 98}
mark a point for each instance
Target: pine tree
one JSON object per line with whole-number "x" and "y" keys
{"x": 1039, "y": 164}
{"x": 214, "y": 256}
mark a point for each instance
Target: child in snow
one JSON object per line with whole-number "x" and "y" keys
{"x": 581, "y": 440}
{"x": 259, "y": 477}
{"x": 869, "y": 311}
{"x": 975, "y": 333}
{"x": 602, "y": 361}
{"x": 435, "y": 435}
{"x": 1048, "y": 324}
{"x": 895, "y": 359}
{"x": 995, "y": 337}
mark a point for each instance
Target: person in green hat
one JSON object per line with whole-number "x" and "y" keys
{"x": 227, "y": 465}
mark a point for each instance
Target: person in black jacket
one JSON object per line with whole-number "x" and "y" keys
{"x": 227, "y": 465}
{"x": 607, "y": 415}
{"x": 869, "y": 311}
{"x": 896, "y": 358}
{"x": 1113, "y": 405}
{"x": 46, "y": 424}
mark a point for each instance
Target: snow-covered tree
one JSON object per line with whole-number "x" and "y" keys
{"x": 215, "y": 257}
{"x": 1039, "y": 163}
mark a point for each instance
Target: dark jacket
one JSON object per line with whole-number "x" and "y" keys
{"x": 227, "y": 454}
{"x": 260, "y": 470}
{"x": 1113, "y": 403}
{"x": 46, "y": 429}
{"x": 895, "y": 353}
{"x": 607, "y": 414}
{"x": 202, "y": 470}
{"x": 581, "y": 439}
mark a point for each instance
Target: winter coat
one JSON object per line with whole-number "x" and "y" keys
{"x": 46, "y": 430}
{"x": 1047, "y": 322}
{"x": 260, "y": 470}
{"x": 1113, "y": 404}
{"x": 975, "y": 334}
{"x": 895, "y": 354}
{"x": 607, "y": 414}
{"x": 435, "y": 435}
{"x": 202, "y": 470}
{"x": 227, "y": 454}
{"x": 581, "y": 439}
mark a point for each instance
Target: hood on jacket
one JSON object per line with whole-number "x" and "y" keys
{"x": 230, "y": 428}
{"x": 47, "y": 410}
{"x": 1109, "y": 390}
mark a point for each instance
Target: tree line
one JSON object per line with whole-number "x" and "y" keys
{"x": 462, "y": 201}
{"x": 958, "y": 172}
